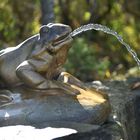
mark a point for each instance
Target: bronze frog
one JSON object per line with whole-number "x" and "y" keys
{"x": 37, "y": 62}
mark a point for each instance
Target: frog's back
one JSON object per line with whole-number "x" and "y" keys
{"x": 10, "y": 58}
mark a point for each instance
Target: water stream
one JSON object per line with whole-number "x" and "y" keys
{"x": 99, "y": 27}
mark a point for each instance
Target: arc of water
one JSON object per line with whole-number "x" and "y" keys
{"x": 105, "y": 29}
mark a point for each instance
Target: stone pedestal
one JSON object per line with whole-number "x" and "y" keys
{"x": 54, "y": 105}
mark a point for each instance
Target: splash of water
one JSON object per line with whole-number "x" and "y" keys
{"x": 99, "y": 27}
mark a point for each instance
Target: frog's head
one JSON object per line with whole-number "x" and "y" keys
{"x": 55, "y": 35}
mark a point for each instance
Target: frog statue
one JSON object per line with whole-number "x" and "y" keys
{"x": 37, "y": 61}
{"x": 34, "y": 85}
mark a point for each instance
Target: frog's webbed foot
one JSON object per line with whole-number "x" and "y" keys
{"x": 69, "y": 79}
{"x": 5, "y": 96}
{"x": 53, "y": 84}
{"x": 67, "y": 87}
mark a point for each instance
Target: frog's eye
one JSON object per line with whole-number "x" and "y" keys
{"x": 45, "y": 30}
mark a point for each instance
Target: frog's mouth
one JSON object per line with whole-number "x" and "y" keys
{"x": 62, "y": 40}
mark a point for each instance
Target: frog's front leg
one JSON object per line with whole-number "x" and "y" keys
{"x": 70, "y": 79}
{"x": 30, "y": 77}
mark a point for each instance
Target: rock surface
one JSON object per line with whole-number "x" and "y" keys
{"x": 124, "y": 122}
{"x": 31, "y": 107}
{"x": 111, "y": 131}
{"x": 125, "y": 107}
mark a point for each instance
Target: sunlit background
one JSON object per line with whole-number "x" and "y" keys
{"x": 94, "y": 55}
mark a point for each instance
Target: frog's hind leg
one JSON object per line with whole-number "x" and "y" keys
{"x": 5, "y": 96}
{"x": 28, "y": 75}
{"x": 34, "y": 80}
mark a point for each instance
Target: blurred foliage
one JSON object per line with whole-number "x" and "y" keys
{"x": 94, "y": 55}
{"x": 83, "y": 63}
{"x": 18, "y": 20}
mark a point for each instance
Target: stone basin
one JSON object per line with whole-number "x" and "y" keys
{"x": 54, "y": 105}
